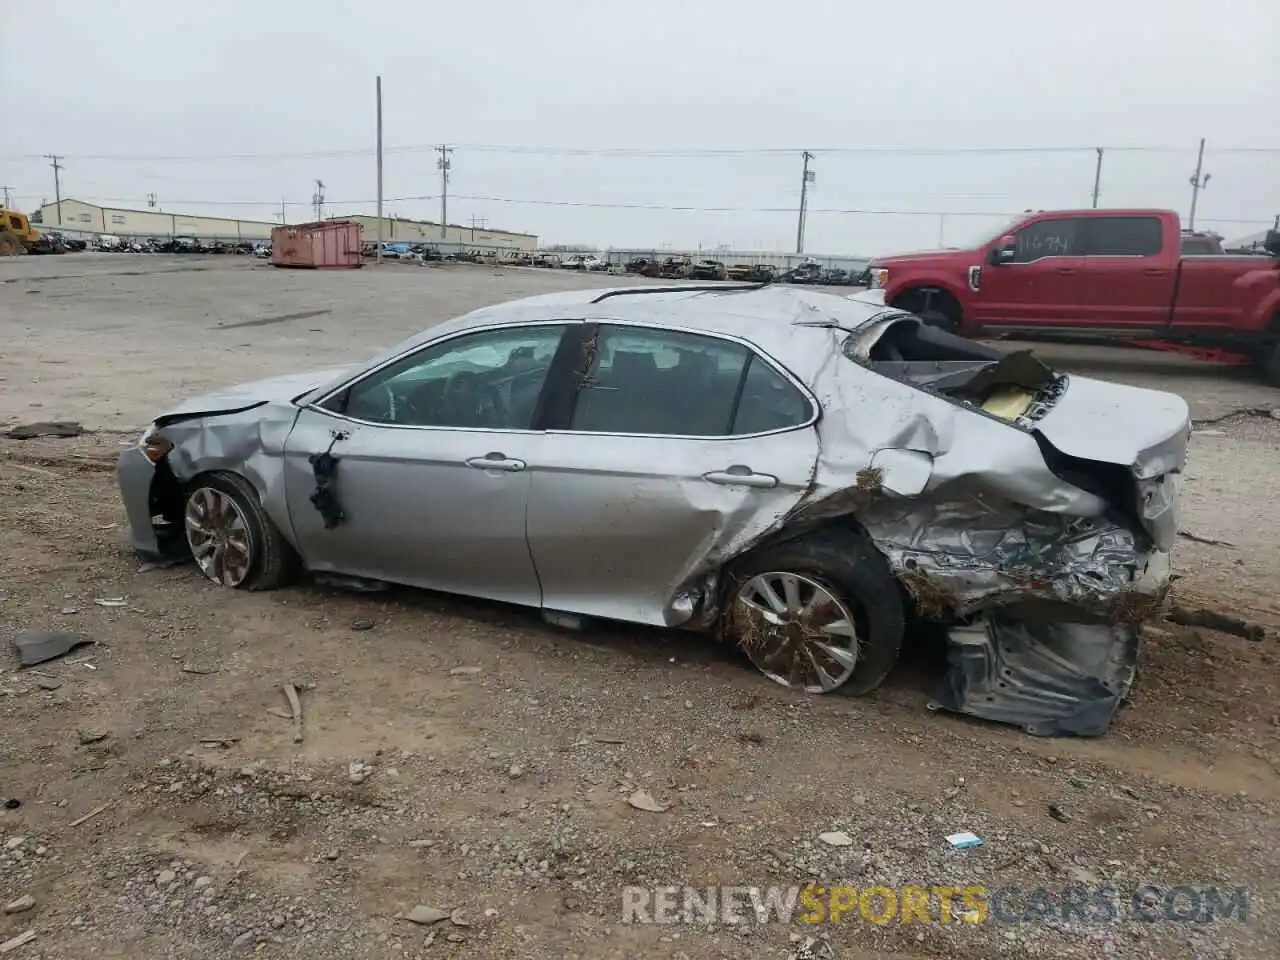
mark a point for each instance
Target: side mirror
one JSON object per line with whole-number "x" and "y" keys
{"x": 1005, "y": 249}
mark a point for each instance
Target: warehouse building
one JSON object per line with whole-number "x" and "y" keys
{"x": 401, "y": 230}
{"x": 81, "y": 217}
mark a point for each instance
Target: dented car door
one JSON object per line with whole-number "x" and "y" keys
{"x": 679, "y": 449}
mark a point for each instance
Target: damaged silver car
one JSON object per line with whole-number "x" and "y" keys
{"x": 806, "y": 474}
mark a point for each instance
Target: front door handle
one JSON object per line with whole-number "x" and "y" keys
{"x": 1066, "y": 270}
{"x": 1156, "y": 272}
{"x": 741, "y": 476}
{"x": 497, "y": 461}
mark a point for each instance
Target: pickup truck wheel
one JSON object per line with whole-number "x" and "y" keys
{"x": 939, "y": 319}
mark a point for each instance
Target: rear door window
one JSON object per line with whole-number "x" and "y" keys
{"x": 1123, "y": 236}
{"x": 668, "y": 382}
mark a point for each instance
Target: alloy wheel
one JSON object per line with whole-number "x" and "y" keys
{"x": 796, "y": 630}
{"x": 219, "y": 536}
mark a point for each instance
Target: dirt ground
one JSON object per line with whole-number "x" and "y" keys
{"x": 469, "y": 757}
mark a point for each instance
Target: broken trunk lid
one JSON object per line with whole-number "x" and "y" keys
{"x": 1145, "y": 431}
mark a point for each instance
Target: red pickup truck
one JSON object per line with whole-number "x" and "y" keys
{"x": 1095, "y": 274}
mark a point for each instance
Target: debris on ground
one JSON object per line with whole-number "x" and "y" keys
{"x": 964, "y": 840}
{"x": 45, "y": 428}
{"x": 358, "y": 772}
{"x": 1195, "y": 538}
{"x": 464, "y": 671}
{"x": 101, "y": 808}
{"x": 295, "y": 709}
{"x": 643, "y": 800}
{"x": 111, "y": 601}
{"x": 49, "y": 683}
{"x": 813, "y": 948}
{"x": 21, "y": 905}
{"x": 425, "y": 915}
{"x": 88, "y": 737}
{"x": 836, "y": 838}
{"x": 363, "y": 623}
{"x": 1212, "y": 620}
{"x": 13, "y": 943}
{"x": 1056, "y": 811}
{"x": 39, "y": 646}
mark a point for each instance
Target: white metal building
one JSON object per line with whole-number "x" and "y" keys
{"x": 400, "y": 230}
{"x": 79, "y": 216}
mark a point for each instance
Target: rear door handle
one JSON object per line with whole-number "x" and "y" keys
{"x": 1156, "y": 272}
{"x": 497, "y": 461}
{"x": 741, "y": 476}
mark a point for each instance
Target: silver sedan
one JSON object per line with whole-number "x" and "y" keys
{"x": 805, "y": 474}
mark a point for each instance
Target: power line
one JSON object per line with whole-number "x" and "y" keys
{"x": 651, "y": 153}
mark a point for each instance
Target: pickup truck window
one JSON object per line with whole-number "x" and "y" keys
{"x": 1047, "y": 238}
{"x": 1123, "y": 236}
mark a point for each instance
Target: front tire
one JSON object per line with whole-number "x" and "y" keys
{"x": 232, "y": 539}
{"x": 820, "y": 613}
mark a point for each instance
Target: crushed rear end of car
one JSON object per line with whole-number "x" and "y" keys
{"x": 1030, "y": 513}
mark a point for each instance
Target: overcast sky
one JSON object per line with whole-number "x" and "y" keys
{"x": 127, "y": 91}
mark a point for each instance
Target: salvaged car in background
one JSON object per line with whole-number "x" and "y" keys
{"x": 709, "y": 270}
{"x": 803, "y": 473}
{"x": 676, "y": 268}
{"x": 644, "y": 267}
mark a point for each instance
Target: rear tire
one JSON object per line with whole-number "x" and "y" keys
{"x": 259, "y": 558}
{"x": 856, "y": 580}
{"x": 9, "y": 245}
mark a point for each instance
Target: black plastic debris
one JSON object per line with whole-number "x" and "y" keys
{"x": 48, "y": 428}
{"x": 13, "y": 803}
{"x": 39, "y": 646}
{"x": 364, "y": 623}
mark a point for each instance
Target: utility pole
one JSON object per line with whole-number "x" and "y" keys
{"x": 444, "y": 164}
{"x": 1097, "y": 178}
{"x": 1198, "y": 182}
{"x": 481, "y": 222}
{"x": 378, "y": 255}
{"x": 317, "y": 198}
{"x": 151, "y": 201}
{"x": 6, "y": 196}
{"x": 806, "y": 178}
{"x": 283, "y": 216}
{"x": 57, "y": 184}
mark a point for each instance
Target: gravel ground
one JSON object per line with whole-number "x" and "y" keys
{"x": 467, "y": 757}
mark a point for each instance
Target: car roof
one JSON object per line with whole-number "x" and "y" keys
{"x": 766, "y": 316}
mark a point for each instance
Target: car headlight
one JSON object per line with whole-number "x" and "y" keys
{"x": 155, "y": 446}
{"x": 879, "y": 278}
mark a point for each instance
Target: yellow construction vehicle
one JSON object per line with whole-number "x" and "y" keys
{"x": 16, "y": 233}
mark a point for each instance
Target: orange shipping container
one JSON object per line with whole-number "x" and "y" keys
{"x": 331, "y": 243}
